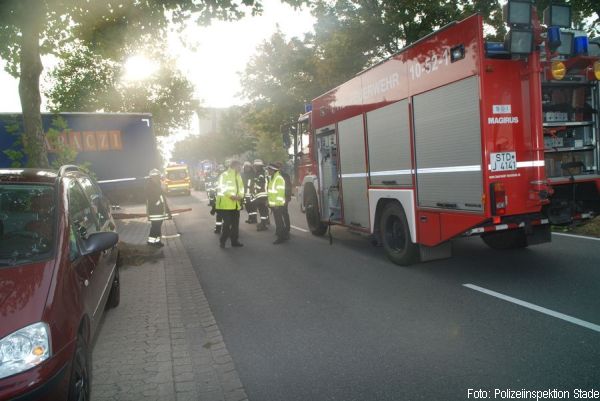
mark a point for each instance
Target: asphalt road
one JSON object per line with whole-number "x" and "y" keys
{"x": 311, "y": 321}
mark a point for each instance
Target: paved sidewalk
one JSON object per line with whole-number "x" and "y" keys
{"x": 162, "y": 342}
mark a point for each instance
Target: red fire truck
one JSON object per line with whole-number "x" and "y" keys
{"x": 447, "y": 138}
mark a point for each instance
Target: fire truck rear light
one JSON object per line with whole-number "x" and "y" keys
{"x": 558, "y": 70}
{"x": 498, "y": 199}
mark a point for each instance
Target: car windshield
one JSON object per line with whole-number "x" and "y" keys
{"x": 177, "y": 175}
{"x": 26, "y": 223}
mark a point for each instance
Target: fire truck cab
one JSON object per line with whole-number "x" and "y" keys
{"x": 444, "y": 139}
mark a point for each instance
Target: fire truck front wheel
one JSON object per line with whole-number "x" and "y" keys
{"x": 313, "y": 217}
{"x": 502, "y": 240}
{"x": 395, "y": 236}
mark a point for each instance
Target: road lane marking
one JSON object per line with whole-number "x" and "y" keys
{"x": 577, "y": 236}
{"x": 299, "y": 229}
{"x": 536, "y": 308}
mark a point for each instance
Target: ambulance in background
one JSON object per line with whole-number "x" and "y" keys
{"x": 177, "y": 179}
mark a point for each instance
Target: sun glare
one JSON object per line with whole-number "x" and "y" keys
{"x": 138, "y": 68}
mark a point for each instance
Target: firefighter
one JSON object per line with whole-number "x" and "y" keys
{"x": 230, "y": 195}
{"x": 248, "y": 178}
{"x": 156, "y": 207}
{"x": 276, "y": 195}
{"x": 288, "y": 197}
{"x": 260, "y": 200}
{"x": 212, "y": 185}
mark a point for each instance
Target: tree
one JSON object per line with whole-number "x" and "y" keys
{"x": 279, "y": 80}
{"x": 231, "y": 138}
{"x": 85, "y": 81}
{"x": 30, "y": 28}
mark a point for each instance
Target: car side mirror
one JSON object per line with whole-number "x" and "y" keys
{"x": 97, "y": 242}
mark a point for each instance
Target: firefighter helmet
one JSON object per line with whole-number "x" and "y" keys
{"x": 154, "y": 172}
{"x": 258, "y": 162}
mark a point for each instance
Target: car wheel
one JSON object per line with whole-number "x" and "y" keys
{"x": 114, "y": 298}
{"x": 79, "y": 386}
{"x": 313, "y": 216}
{"x": 395, "y": 236}
{"x": 503, "y": 240}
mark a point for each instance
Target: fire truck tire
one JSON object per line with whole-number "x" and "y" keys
{"x": 313, "y": 217}
{"x": 503, "y": 240}
{"x": 395, "y": 236}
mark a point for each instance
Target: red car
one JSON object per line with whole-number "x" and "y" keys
{"x": 58, "y": 272}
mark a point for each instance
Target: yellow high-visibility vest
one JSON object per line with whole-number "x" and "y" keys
{"x": 230, "y": 184}
{"x": 277, "y": 190}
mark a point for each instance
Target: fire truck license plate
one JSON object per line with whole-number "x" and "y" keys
{"x": 503, "y": 161}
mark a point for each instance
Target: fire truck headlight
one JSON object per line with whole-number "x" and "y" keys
{"x": 558, "y": 70}
{"x": 558, "y": 15}
{"x": 596, "y": 69}
{"x": 520, "y": 41}
{"x": 566, "y": 44}
{"x": 517, "y": 12}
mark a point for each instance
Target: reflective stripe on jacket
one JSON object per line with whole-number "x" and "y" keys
{"x": 261, "y": 184}
{"x": 277, "y": 190}
{"x": 230, "y": 184}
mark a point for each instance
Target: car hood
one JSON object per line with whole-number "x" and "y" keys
{"x": 23, "y": 294}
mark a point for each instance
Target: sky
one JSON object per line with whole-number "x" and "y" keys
{"x": 220, "y": 51}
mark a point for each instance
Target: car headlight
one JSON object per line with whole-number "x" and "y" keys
{"x": 24, "y": 349}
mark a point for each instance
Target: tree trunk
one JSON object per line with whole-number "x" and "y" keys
{"x": 29, "y": 92}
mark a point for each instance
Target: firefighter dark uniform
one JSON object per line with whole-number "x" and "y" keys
{"x": 229, "y": 203}
{"x": 156, "y": 207}
{"x": 276, "y": 195}
{"x": 248, "y": 178}
{"x": 260, "y": 200}
{"x": 211, "y": 190}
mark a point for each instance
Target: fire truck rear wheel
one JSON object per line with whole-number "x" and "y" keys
{"x": 395, "y": 236}
{"x": 313, "y": 217}
{"x": 503, "y": 240}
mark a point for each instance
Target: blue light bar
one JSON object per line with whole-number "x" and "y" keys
{"x": 580, "y": 45}
{"x": 554, "y": 38}
{"x": 495, "y": 50}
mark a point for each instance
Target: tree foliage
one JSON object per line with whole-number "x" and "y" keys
{"x": 29, "y": 28}
{"x": 84, "y": 81}
{"x": 231, "y": 138}
{"x": 350, "y": 35}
